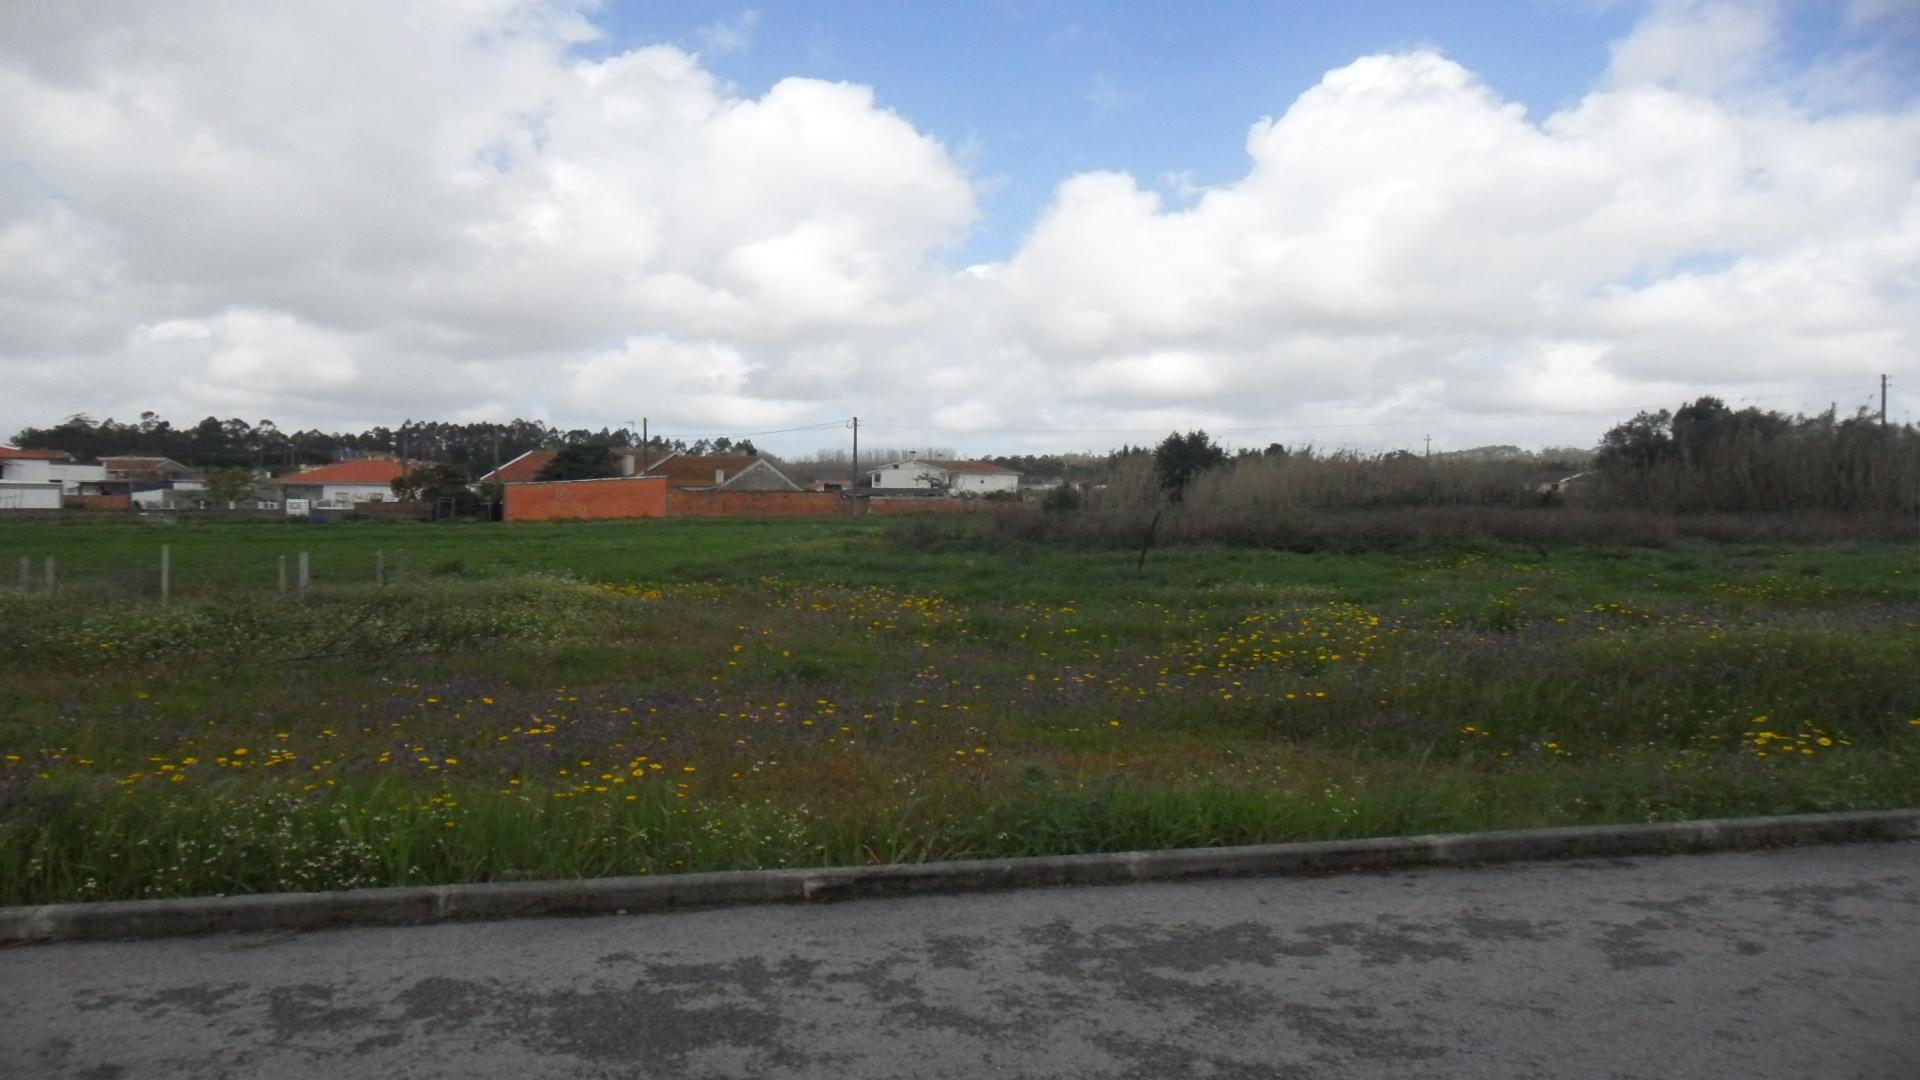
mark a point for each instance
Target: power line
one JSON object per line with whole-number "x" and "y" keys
{"x": 823, "y": 426}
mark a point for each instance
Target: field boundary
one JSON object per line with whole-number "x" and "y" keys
{"x": 408, "y": 905}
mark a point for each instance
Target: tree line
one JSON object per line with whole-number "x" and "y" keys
{"x": 213, "y": 443}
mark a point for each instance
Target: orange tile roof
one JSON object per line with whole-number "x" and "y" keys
{"x": 521, "y": 470}
{"x": 685, "y": 470}
{"x": 9, "y": 453}
{"x": 372, "y": 471}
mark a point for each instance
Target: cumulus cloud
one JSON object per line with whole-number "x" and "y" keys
{"x": 202, "y": 210}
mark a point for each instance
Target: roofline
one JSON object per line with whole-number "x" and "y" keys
{"x": 507, "y": 465}
{"x": 585, "y": 480}
{"x": 934, "y": 463}
{"x": 758, "y": 462}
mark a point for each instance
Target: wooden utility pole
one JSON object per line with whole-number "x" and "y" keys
{"x": 854, "y": 477}
{"x": 1883, "y": 401}
{"x": 643, "y": 447}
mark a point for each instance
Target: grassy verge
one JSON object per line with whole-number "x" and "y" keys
{"x": 715, "y": 695}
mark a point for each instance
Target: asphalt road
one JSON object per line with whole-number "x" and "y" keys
{"x": 1801, "y": 964}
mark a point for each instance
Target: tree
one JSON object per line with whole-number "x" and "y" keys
{"x": 229, "y": 485}
{"x": 1697, "y": 427}
{"x": 1639, "y": 444}
{"x": 581, "y": 461}
{"x": 430, "y": 483}
{"x": 1179, "y": 458}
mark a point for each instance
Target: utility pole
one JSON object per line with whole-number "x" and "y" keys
{"x": 854, "y": 477}
{"x": 1429, "y": 448}
{"x": 1883, "y": 401}
{"x": 643, "y": 447}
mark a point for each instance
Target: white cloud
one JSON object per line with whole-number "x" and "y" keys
{"x": 203, "y": 210}
{"x": 1106, "y": 96}
{"x": 1702, "y": 45}
{"x": 728, "y": 35}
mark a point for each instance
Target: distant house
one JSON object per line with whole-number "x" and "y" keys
{"x": 521, "y": 470}
{"x": 1557, "y": 487}
{"x": 716, "y": 472}
{"x": 148, "y": 480}
{"x": 55, "y": 468}
{"x": 146, "y": 472}
{"x": 339, "y": 486}
{"x": 953, "y": 477}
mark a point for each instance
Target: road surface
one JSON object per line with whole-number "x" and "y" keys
{"x": 1792, "y": 964}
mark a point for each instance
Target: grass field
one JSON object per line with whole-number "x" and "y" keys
{"x": 551, "y": 701}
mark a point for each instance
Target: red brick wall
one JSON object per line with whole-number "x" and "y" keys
{"x": 418, "y": 510}
{"x": 580, "y": 500}
{"x": 96, "y": 502}
{"x": 942, "y": 505}
{"x": 760, "y": 504}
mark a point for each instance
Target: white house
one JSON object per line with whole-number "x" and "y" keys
{"x": 339, "y": 486}
{"x": 54, "y": 467}
{"x": 953, "y": 477}
{"x": 29, "y": 495}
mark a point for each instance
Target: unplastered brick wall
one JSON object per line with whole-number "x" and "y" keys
{"x": 940, "y": 505}
{"x": 585, "y": 500}
{"x": 96, "y": 502}
{"x": 762, "y": 504}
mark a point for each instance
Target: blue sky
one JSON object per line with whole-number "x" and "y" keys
{"x": 1031, "y": 92}
{"x": 997, "y": 226}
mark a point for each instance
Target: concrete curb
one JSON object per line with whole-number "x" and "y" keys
{"x": 676, "y": 892}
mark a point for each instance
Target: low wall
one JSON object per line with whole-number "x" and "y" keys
{"x": 943, "y": 505}
{"x": 760, "y": 504}
{"x": 648, "y": 496}
{"x": 96, "y": 502}
{"x": 415, "y": 510}
{"x": 585, "y": 500}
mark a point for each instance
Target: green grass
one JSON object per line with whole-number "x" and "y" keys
{"x": 554, "y": 701}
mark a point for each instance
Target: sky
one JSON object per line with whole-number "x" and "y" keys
{"x": 992, "y": 227}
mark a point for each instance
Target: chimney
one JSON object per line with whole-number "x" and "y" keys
{"x": 719, "y": 477}
{"x": 626, "y": 464}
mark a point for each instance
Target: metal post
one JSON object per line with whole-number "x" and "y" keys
{"x": 306, "y": 572}
{"x": 26, "y": 573}
{"x": 49, "y": 573}
{"x": 379, "y": 567}
{"x": 166, "y": 573}
{"x": 283, "y": 573}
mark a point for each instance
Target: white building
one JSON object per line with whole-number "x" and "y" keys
{"x": 29, "y": 495}
{"x": 952, "y": 477}
{"x": 54, "y": 467}
{"x": 341, "y": 485}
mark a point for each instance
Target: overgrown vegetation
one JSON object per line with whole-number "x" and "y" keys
{"x": 703, "y": 695}
{"x": 1706, "y": 471}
